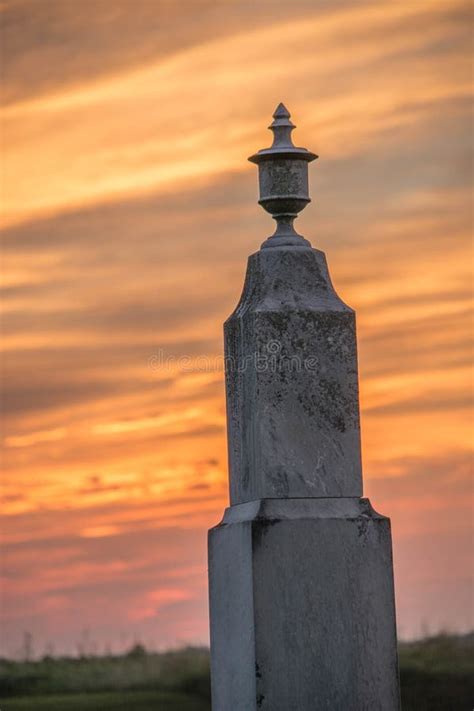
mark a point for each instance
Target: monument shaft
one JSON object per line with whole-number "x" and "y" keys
{"x": 300, "y": 568}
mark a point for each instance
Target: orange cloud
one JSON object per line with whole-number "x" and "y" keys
{"x": 130, "y": 213}
{"x": 83, "y": 145}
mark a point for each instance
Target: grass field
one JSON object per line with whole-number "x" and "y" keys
{"x": 437, "y": 674}
{"x": 107, "y": 701}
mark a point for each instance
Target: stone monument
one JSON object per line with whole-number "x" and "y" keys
{"x": 300, "y": 568}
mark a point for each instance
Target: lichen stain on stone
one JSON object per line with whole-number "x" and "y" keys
{"x": 279, "y": 480}
{"x": 362, "y": 526}
{"x": 260, "y": 529}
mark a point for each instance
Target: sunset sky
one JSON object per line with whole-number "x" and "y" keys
{"x": 129, "y": 211}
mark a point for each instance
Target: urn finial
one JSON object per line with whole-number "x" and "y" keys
{"x": 283, "y": 181}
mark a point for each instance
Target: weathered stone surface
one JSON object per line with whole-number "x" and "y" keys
{"x": 303, "y": 608}
{"x": 292, "y": 386}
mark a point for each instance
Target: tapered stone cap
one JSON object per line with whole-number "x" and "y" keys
{"x": 292, "y": 385}
{"x": 283, "y": 180}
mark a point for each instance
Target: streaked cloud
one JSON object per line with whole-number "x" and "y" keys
{"x": 83, "y": 145}
{"x": 130, "y": 212}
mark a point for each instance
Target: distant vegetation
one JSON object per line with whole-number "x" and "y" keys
{"x": 437, "y": 674}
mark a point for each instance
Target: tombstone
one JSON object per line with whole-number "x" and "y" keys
{"x": 300, "y": 569}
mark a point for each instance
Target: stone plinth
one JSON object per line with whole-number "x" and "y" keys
{"x": 302, "y": 603}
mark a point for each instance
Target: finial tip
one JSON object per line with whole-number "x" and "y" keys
{"x": 281, "y": 111}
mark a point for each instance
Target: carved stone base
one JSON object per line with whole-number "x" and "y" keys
{"x": 302, "y": 607}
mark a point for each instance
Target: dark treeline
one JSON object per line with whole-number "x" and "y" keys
{"x": 437, "y": 674}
